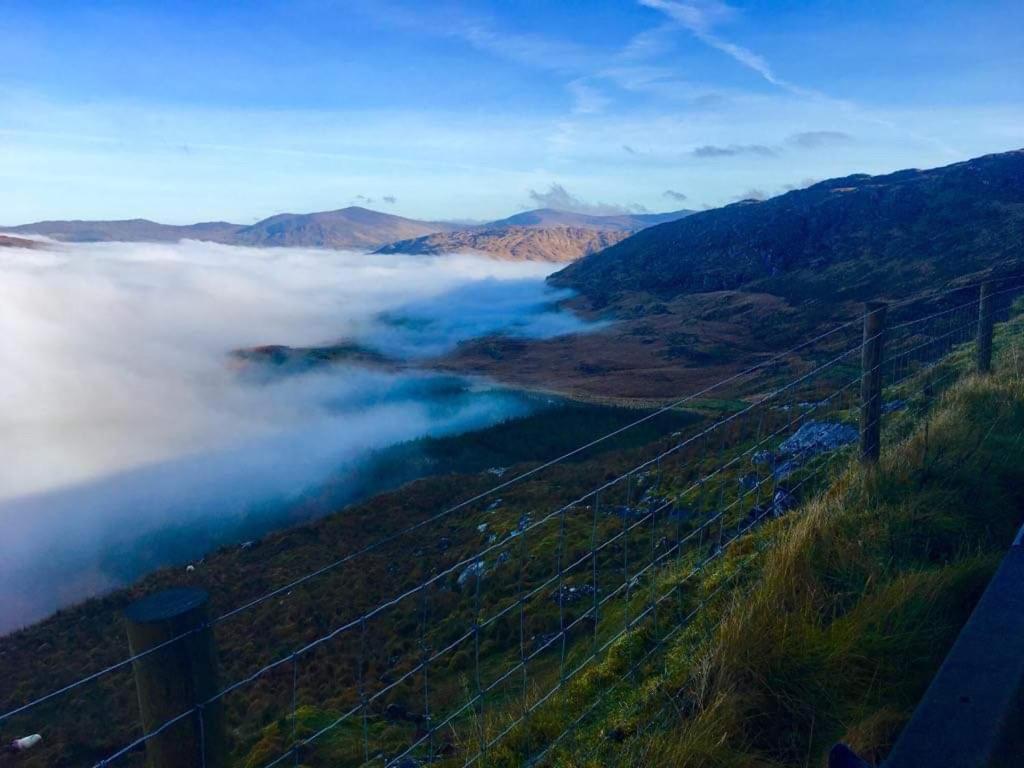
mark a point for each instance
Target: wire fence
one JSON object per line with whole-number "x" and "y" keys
{"x": 464, "y": 636}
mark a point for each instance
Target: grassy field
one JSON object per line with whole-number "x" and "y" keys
{"x": 837, "y": 616}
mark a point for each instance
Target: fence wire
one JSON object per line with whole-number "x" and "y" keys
{"x": 466, "y": 648}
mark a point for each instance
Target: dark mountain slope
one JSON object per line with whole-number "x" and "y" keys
{"x": 851, "y": 236}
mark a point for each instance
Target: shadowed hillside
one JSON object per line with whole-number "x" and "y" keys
{"x": 843, "y": 237}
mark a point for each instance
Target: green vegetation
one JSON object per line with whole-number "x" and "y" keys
{"x": 840, "y": 614}
{"x": 702, "y": 631}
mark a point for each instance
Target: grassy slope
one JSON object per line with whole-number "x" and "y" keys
{"x": 845, "y": 610}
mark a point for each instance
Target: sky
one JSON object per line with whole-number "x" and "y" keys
{"x": 191, "y": 110}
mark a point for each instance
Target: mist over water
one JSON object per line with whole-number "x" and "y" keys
{"x": 126, "y": 418}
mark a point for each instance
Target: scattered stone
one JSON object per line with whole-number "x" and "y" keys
{"x": 763, "y": 457}
{"x": 568, "y": 595}
{"x": 546, "y": 641}
{"x": 498, "y": 471}
{"x": 816, "y": 437}
{"x": 472, "y": 570}
{"x": 482, "y": 528}
{"x": 504, "y": 557}
{"x": 785, "y": 469}
{"x": 492, "y": 538}
{"x": 399, "y": 713}
{"x": 782, "y": 502}
{"x": 494, "y": 505}
{"x": 749, "y": 481}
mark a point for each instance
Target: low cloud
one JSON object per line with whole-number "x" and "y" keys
{"x": 753, "y": 194}
{"x": 559, "y": 198}
{"x": 816, "y": 139}
{"x": 629, "y": 150}
{"x": 803, "y": 184}
{"x": 671, "y": 194}
{"x": 124, "y": 412}
{"x": 390, "y": 199}
{"x": 732, "y": 150}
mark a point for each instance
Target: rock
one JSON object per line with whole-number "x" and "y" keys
{"x": 399, "y": 713}
{"x": 547, "y": 641}
{"x": 494, "y": 505}
{"x": 763, "y": 457}
{"x": 568, "y": 595}
{"x": 749, "y": 481}
{"x": 785, "y": 469}
{"x": 504, "y": 557}
{"x": 782, "y": 502}
{"x": 472, "y": 570}
{"x": 816, "y": 437}
{"x": 497, "y": 471}
{"x": 482, "y": 528}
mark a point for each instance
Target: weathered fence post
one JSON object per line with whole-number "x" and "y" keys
{"x": 177, "y": 678}
{"x": 871, "y": 383}
{"x": 984, "y": 344}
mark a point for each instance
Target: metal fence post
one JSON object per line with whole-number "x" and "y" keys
{"x": 177, "y": 678}
{"x": 871, "y": 383}
{"x": 984, "y": 344}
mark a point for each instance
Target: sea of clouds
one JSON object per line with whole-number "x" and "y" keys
{"x": 124, "y": 413}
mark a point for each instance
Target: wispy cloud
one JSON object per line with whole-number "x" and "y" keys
{"x": 587, "y": 99}
{"x": 816, "y": 139}
{"x": 671, "y": 194}
{"x": 732, "y": 150}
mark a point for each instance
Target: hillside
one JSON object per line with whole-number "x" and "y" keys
{"x": 540, "y": 235}
{"x": 17, "y": 242}
{"x": 127, "y": 230}
{"x": 839, "y": 237}
{"x": 810, "y": 624}
{"x": 350, "y": 228}
{"x": 843, "y": 612}
{"x": 554, "y": 244}
{"x": 692, "y": 300}
{"x": 624, "y": 222}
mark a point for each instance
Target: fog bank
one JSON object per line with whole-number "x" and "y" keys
{"x": 124, "y": 414}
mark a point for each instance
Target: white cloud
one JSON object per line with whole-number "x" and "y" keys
{"x": 559, "y": 198}
{"x": 123, "y": 410}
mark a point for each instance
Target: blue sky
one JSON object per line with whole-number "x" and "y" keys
{"x": 191, "y": 111}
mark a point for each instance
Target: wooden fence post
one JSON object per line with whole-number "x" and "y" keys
{"x": 984, "y": 343}
{"x": 871, "y": 383}
{"x": 177, "y": 678}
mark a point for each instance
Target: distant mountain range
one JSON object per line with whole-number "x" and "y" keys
{"x": 352, "y": 228}
{"x": 541, "y": 235}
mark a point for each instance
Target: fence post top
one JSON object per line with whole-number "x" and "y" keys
{"x": 166, "y": 604}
